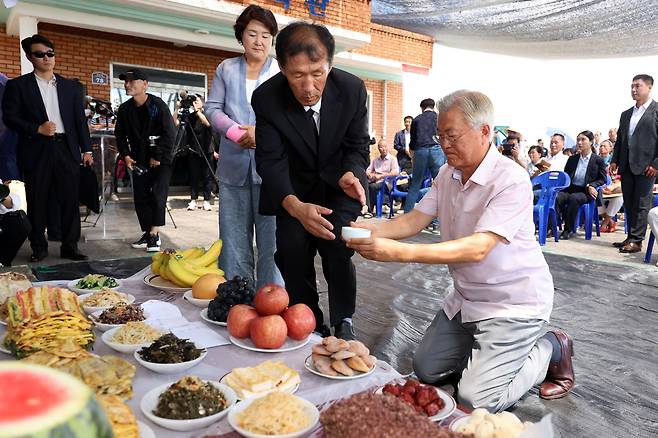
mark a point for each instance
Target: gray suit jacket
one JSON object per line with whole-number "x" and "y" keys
{"x": 640, "y": 150}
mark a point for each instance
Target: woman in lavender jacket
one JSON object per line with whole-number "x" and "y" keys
{"x": 229, "y": 109}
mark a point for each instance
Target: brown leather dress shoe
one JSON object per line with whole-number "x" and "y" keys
{"x": 559, "y": 378}
{"x": 631, "y": 247}
{"x": 620, "y": 244}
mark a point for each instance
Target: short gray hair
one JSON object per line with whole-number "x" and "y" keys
{"x": 474, "y": 105}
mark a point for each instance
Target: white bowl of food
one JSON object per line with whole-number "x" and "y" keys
{"x": 98, "y": 320}
{"x": 93, "y": 283}
{"x": 199, "y": 302}
{"x": 257, "y": 417}
{"x": 170, "y": 355}
{"x": 130, "y": 337}
{"x": 169, "y": 392}
{"x": 103, "y": 299}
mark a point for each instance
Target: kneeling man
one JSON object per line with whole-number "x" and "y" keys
{"x": 491, "y": 327}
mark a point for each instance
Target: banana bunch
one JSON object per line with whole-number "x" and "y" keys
{"x": 184, "y": 267}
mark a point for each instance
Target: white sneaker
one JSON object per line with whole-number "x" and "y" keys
{"x": 207, "y": 206}
{"x": 192, "y": 205}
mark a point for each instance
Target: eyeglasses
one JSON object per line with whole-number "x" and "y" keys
{"x": 444, "y": 139}
{"x": 39, "y": 54}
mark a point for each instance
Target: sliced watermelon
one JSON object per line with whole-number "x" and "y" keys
{"x": 37, "y": 401}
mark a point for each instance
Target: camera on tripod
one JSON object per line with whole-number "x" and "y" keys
{"x": 184, "y": 104}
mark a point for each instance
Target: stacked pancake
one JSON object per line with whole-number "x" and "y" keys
{"x": 40, "y": 317}
{"x": 266, "y": 377}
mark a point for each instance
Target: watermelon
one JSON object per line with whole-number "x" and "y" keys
{"x": 41, "y": 402}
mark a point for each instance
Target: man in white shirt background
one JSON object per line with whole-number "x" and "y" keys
{"x": 401, "y": 144}
{"x": 555, "y": 156}
{"x": 14, "y": 226}
{"x": 380, "y": 167}
{"x": 47, "y": 112}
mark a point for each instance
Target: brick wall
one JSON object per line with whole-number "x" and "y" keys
{"x": 10, "y": 61}
{"x": 393, "y": 111}
{"x": 399, "y": 45}
{"x": 81, "y": 52}
{"x": 348, "y": 14}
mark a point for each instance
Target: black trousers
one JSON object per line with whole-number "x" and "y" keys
{"x": 373, "y": 189}
{"x": 638, "y": 200}
{"x": 14, "y": 228}
{"x": 295, "y": 254}
{"x": 56, "y": 175}
{"x": 199, "y": 172}
{"x": 150, "y": 192}
{"x": 569, "y": 201}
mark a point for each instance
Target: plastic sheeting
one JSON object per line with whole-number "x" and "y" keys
{"x": 534, "y": 28}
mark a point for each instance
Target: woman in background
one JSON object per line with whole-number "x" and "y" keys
{"x": 229, "y": 110}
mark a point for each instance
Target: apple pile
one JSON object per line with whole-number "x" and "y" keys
{"x": 270, "y": 321}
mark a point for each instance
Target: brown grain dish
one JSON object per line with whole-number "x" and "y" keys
{"x": 379, "y": 416}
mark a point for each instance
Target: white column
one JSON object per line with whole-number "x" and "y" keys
{"x": 27, "y": 26}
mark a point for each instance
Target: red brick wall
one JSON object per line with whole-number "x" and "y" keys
{"x": 348, "y": 14}
{"x": 400, "y": 45}
{"x": 10, "y": 61}
{"x": 393, "y": 111}
{"x": 81, "y": 52}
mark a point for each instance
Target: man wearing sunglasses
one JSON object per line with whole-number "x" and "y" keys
{"x": 46, "y": 110}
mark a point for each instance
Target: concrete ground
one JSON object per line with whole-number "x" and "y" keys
{"x": 117, "y": 227}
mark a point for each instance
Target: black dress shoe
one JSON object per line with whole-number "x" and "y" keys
{"x": 37, "y": 256}
{"x": 73, "y": 255}
{"x": 344, "y": 330}
{"x": 565, "y": 235}
{"x": 621, "y": 244}
{"x": 631, "y": 247}
{"x": 322, "y": 330}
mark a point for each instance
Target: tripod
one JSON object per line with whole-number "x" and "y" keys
{"x": 180, "y": 144}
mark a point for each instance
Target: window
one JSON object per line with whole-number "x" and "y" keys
{"x": 369, "y": 108}
{"x": 162, "y": 83}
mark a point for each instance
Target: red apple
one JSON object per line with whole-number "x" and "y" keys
{"x": 271, "y": 299}
{"x": 268, "y": 331}
{"x": 300, "y": 321}
{"x": 239, "y": 320}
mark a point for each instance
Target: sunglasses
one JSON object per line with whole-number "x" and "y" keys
{"x": 39, "y": 54}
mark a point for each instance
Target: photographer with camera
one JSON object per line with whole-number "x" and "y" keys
{"x": 14, "y": 225}
{"x": 145, "y": 135}
{"x": 190, "y": 110}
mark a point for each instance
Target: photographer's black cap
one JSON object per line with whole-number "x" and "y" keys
{"x": 133, "y": 74}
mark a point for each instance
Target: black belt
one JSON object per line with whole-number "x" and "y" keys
{"x": 59, "y": 138}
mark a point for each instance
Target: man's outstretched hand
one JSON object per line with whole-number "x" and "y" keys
{"x": 352, "y": 187}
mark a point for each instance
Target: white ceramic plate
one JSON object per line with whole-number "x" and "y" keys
{"x": 2, "y": 346}
{"x": 80, "y": 291}
{"x": 459, "y": 422}
{"x": 89, "y": 309}
{"x": 308, "y": 364}
{"x": 121, "y": 348}
{"x": 260, "y": 394}
{"x": 150, "y": 402}
{"x": 105, "y": 327}
{"x": 449, "y": 404}
{"x": 309, "y": 407}
{"x": 196, "y": 301}
{"x": 144, "y": 430}
{"x": 289, "y": 345}
{"x": 169, "y": 368}
{"x": 159, "y": 283}
{"x": 3, "y": 322}
{"x": 204, "y": 316}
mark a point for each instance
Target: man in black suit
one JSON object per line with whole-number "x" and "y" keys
{"x": 47, "y": 112}
{"x": 401, "y": 144}
{"x": 312, "y": 137}
{"x": 587, "y": 173}
{"x": 636, "y": 159}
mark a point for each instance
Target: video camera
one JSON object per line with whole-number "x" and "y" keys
{"x": 184, "y": 104}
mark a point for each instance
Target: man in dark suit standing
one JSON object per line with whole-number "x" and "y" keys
{"x": 46, "y": 110}
{"x": 312, "y": 137}
{"x": 587, "y": 173}
{"x": 636, "y": 159}
{"x": 401, "y": 144}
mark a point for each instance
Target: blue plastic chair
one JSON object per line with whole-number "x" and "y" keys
{"x": 652, "y": 237}
{"x": 591, "y": 214}
{"x": 544, "y": 210}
